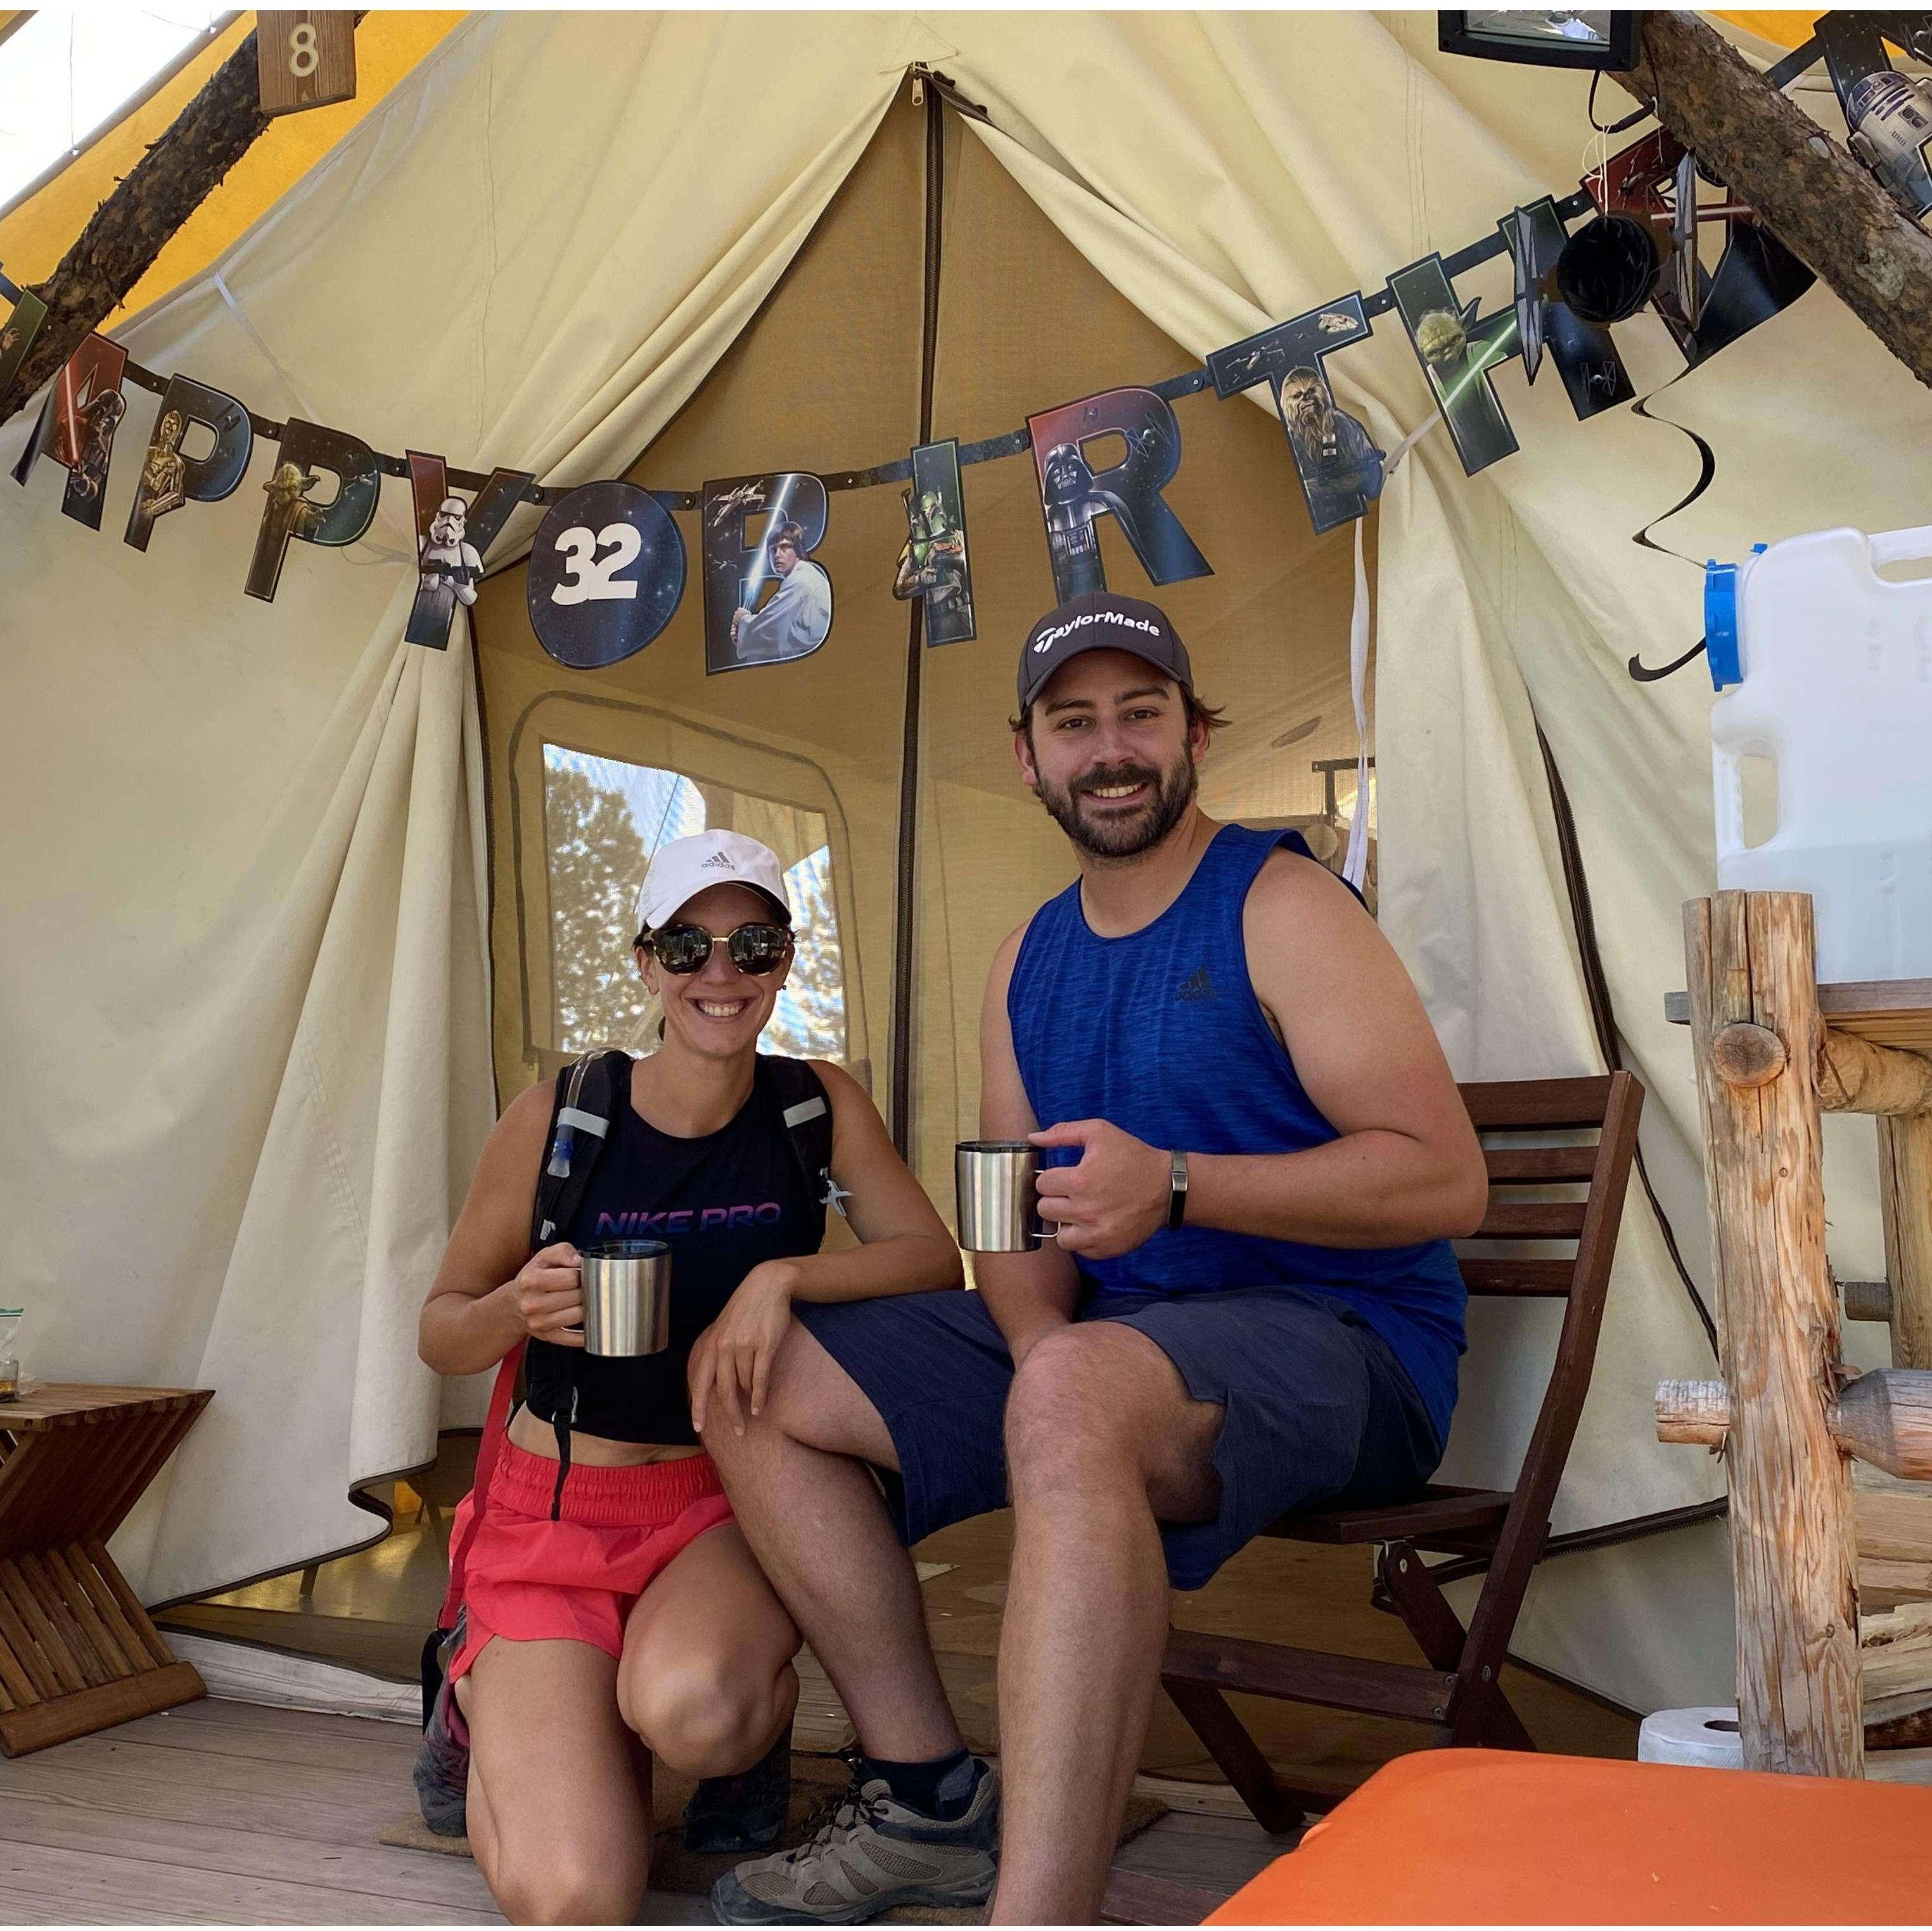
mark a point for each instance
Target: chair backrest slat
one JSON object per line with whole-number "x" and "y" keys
{"x": 1537, "y": 1166}
{"x": 1532, "y": 1105}
{"x": 1546, "y": 1277}
{"x": 1532, "y": 1220}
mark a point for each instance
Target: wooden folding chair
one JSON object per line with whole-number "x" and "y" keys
{"x": 1458, "y": 1692}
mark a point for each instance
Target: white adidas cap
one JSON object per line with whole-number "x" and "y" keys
{"x": 685, "y": 867}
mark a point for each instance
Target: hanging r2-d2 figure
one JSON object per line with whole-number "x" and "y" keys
{"x": 1889, "y": 120}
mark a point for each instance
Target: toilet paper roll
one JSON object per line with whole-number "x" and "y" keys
{"x": 1707, "y": 1738}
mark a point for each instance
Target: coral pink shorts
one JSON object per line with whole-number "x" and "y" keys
{"x": 533, "y": 1580}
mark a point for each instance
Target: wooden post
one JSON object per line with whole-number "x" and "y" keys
{"x": 1750, "y": 959}
{"x": 1905, "y": 1189}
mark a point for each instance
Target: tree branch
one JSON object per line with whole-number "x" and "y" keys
{"x": 129, "y": 229}
{"x": 1819, "y": 202}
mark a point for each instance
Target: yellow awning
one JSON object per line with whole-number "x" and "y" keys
{"x": 36, "y": 235}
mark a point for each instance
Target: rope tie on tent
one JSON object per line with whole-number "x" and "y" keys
{"x": 1355, "y": 857}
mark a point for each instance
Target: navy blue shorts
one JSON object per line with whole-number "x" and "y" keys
{"x": 1319, "y": 1411}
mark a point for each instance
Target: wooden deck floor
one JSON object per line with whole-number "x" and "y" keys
{"x": 224, "y": 1812}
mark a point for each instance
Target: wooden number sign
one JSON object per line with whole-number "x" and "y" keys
{"x": 305, "y": 60}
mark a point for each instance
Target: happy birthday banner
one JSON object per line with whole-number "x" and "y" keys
{"x": 608, "y": 565}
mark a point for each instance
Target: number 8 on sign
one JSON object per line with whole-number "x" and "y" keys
{"x": 303, "y": 56}
{"x": 606, "y": 574}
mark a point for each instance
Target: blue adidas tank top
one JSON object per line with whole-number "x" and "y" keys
{"x": 1160, "y": 1032}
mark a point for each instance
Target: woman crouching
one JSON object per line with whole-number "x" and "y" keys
{"x": 611, "y": 1612}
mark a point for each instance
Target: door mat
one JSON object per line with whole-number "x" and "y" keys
{"x": 816, "y": 1782}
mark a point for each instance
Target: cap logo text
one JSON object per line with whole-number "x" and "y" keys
{"x": 1048, "y": 638}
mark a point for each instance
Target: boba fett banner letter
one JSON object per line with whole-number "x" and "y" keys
{"x": 934, "y": 565}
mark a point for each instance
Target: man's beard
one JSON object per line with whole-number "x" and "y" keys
{"x": 1129, "y": 834}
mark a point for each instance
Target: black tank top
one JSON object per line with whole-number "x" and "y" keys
{"x": 723, "y": 1202}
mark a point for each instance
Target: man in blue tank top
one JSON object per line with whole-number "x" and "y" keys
{"x": 1254, "y": 1154}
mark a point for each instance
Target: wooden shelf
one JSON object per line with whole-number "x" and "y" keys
{"x": 1888, "y": 1011}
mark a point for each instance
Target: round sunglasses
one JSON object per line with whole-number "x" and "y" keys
{"x": 756, "y": 948}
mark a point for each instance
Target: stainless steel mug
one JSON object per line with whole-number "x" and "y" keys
{"x": 626, "y": 1298}
{"x": 997, "y": 1182}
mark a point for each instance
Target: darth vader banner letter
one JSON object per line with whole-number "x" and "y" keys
{"x": 1457, "y": 353}
{"x": 289, "y": 512}
{"x": 77, "y": 428}
{"x": 606, "y": 574}
{"x": 1339, "y": 466}
{"x": 767, "y": 600}
{"x": 170, "y": 477}
{"x": 934, "y": 564}
{"x": 451, "y": 538}
{"x": 1074, "y": 497}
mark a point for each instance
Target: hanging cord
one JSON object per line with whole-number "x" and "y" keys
{"x": 1597, "y": 990}
{"x": 1355, "y": 857}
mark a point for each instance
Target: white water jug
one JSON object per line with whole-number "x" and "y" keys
{"x": 1832, "y": 667}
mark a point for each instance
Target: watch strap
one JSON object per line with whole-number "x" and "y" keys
{"x": 1177, "y": 1197}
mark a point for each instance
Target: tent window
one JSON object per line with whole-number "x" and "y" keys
{"x": 603, "y": 818}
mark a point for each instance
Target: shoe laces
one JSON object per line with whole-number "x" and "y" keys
{"x": 839, "y": 1817}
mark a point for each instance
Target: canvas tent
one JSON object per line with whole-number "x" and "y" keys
{"x": 282, "y": 930}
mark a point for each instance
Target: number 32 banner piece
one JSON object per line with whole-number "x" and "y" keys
{"x": 606, "y": 574}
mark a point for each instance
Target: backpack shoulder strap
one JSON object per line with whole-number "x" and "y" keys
{"x": 807, "y": 1112}
{"x": 589, "y": 1092}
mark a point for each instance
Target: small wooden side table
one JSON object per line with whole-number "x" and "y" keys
{"x": 77, "y": 1651}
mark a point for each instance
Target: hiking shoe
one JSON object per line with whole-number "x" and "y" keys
{"x": 872, "y": 1854}
{"x": 746, "y": 1811}
{"x": 442, "y": 1772}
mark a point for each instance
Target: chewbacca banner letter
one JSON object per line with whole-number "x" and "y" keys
{"x": 170, "y": 478}
{"x": 1336, "y": 458}
{"x": 1457, "y": 353}
{"x": 1074, "y": 498}
{"x": 759, "y": 535}
{"x": 290, "y": 513}
{"x": 84, "y": 408}
{"x": 933, "y": 565}
{"x": 452, "y": 538}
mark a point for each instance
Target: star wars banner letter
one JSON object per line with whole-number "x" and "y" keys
{"x": 84, "y": 408}
{"x": 767, "y": 600}
{"x": 451, "y": 537}
{"x": 1336, "y": 458}
{"x": 933, "y": 565}
{"x": 606, "y": 574}
{"x": 169, "y": 478}
{"x": 290, "y": 513}
{"x": 1074, "y": 497}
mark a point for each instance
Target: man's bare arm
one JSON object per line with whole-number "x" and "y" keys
{"x": 1028, "y": 1294}
{"x": 1408, "y": 1165}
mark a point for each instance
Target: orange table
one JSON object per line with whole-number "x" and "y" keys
{"x": 77, "y": 1651}
{"x": 1505, "y": 1837}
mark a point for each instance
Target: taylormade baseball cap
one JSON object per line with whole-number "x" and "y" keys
{"x": 1099, "y": 620}
{"x": 685, "y": 867}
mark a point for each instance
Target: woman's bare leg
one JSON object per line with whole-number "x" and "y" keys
{"x": 706, "y": 1680}
{"x": 559, "y": 1794}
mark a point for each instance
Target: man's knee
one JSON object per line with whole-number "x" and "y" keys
{"x": 1072, "y": 1405}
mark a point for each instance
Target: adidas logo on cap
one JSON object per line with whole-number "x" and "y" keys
{"x": 719, "y": 862}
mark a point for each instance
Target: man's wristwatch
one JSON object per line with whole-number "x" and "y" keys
{"x": 1177, "y": 1197}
